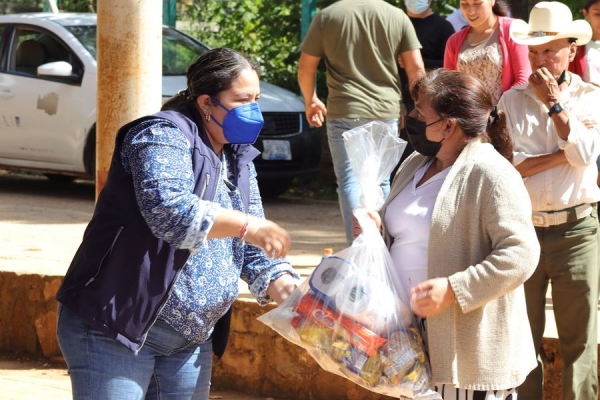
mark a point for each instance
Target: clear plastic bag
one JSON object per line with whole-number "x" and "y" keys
{"x": 350, "y": 314}
{"x": 373, "y": 151}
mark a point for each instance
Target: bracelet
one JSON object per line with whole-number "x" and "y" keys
{"x": 244, "y": 230}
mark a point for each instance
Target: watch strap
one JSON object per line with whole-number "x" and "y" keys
{"x": 555, "y": 109}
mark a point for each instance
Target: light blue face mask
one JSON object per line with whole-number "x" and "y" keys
{"x": 417, "y": 6}
{"x": 241, "y": 124}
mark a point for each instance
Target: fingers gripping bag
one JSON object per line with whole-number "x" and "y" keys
{"x": 350, "y": 314}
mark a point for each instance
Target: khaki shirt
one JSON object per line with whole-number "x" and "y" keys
{"x": 360, "y": 41}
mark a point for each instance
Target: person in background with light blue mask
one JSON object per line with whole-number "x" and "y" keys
{"x": 147, "y": 298}
{"x": 432, "y": 31}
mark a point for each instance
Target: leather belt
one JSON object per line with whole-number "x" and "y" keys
{"x": 552, "y": 218}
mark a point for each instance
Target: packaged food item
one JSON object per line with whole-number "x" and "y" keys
{"x": 392, "y": 363}
{"x": 317, "y": 312}
{"x": 351, "y": 315}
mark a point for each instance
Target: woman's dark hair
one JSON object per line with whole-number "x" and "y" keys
{"x": 588, "y": 3}
{"x": 464, "y": 98}
{"x": 213, "y": 72}
{"x": 501, "y": 8}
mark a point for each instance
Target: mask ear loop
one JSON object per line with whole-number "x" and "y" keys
{"x": 220, "y": 105}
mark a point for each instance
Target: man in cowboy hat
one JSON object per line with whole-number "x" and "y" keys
{"x": 556, "y": 143}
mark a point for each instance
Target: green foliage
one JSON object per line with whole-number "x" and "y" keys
{"x": 266, "y": 31}
{"x": 17, "y": 6}
{"x": 77, "y": 5}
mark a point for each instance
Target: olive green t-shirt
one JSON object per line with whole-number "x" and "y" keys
{"x": 360, "y": 41}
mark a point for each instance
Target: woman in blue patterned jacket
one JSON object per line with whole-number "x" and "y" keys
{"x": 148, "y": 295}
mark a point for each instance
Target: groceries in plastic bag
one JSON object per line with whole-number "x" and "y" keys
{"x": 351, "y": 315}
{"x": 355, "y": 325}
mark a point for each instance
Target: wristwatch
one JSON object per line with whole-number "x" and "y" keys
{"x": 555, "y": 109}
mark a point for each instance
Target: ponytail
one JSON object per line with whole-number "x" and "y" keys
{"x": 497, "y": 134}
{"x": 182, "y": 98}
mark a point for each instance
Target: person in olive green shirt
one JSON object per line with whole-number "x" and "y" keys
{"x": 362, "y": 42}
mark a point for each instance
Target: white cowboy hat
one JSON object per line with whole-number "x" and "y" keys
{"x": 550, "y": 20}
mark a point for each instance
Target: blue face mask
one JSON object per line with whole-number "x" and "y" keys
{"x": 417, "y": 6}
{"x": 241, "y": 124}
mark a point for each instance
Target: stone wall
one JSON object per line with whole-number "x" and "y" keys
{"x": 257, "y": 361}
{"x": 28, "y": 314}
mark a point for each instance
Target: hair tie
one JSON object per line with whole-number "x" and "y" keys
{"x": 494, "y": 117}
{"x": 186, "y": 93}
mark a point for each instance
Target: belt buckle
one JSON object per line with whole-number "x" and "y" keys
{"x": 540, "y": 220}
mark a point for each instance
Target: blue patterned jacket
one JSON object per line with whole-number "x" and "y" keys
{"x": 121, "y": 275}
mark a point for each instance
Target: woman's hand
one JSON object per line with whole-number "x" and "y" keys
{"x": 431, "y": 297}
{"x": 356, "y": 228}
{"x": 281, "y": 288}
{"x": 269, "y": 236}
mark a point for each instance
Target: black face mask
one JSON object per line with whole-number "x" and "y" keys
{"x": 415, "y": 131}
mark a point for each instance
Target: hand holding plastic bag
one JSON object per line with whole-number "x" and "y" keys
{"x": 350, "y": 315}
{"x": 349, "y": 318}
{"x": 373, "y": 151}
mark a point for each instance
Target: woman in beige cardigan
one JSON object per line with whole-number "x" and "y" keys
{"x": 458, "y": 225}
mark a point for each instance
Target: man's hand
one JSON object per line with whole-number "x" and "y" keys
{"x": 545, "y": 86}
{"x": 588, "y": 123}
{"x": 315, "y": 113}
{"x": 547, "y": 90}
{"x": 315, "y": 109}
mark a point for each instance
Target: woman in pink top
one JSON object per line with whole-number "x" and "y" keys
{"x": 484, "y": 48}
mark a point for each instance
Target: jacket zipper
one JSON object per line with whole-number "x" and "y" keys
{"x": 110, "y": 249}
{"x": 202, "y": 192}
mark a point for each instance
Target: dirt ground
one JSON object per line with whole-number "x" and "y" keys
{"x": 41, "y": 223}
{"x": 38, "y": 380}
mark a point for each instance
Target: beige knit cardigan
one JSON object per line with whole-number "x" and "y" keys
{"x": 483, "y": 239}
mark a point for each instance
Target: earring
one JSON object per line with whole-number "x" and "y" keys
{"x": 207, "y": 117}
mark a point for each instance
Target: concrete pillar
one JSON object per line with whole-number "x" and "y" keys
{"x": 129, "y": 70}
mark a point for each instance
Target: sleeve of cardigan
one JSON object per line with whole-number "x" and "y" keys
{"x": 511, "y": 236}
